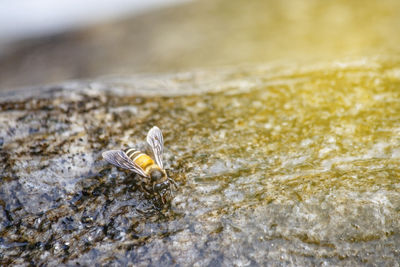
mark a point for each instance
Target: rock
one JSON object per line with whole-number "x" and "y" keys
{"x": 277, "y": 164}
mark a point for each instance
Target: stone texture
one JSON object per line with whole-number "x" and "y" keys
{"x": 277, "y": 165}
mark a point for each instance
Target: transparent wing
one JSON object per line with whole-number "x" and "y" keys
{"x": 156, "y": 142}
{"x": 120, "y": 159}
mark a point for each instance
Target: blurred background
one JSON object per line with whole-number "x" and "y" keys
{"x": 45, "y": 41}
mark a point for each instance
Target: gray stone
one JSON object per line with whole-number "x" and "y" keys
{"x": 277, "y": 165}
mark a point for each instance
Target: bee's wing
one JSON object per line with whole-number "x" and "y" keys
{"x": 156, "y": 142}
{"x": 120, "y": 159}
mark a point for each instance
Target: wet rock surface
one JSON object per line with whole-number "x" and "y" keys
{"x": 277, "y": 165}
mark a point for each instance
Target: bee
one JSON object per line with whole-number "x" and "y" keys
{"x": 140, "y": 163}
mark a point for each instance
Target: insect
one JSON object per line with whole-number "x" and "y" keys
{"x": 155, "y": 178}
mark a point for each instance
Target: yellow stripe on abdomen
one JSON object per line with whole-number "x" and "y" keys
{"x": 143, "y": 161}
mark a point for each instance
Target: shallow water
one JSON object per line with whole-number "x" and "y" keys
{"x": 277, "y": 164}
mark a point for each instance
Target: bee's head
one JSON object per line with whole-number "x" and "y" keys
{"x": 162, "y": 185}
{"x": 163, "y": 190}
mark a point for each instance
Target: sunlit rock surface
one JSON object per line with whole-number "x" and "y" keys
{"x": 277, "y": 164}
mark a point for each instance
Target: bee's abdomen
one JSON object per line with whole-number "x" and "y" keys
{"x": 140, "y": 158}
{"x": 132, "y": 153}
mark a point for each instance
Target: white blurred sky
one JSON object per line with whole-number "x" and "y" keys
{"x": 29, "y": 18}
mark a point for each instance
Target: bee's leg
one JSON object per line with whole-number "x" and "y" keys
{"x": 173, "y": 182}
{"x": 162, "y": 199}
